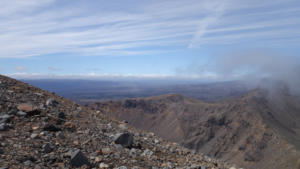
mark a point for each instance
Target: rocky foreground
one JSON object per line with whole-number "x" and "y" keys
{"x": 39, "y": 129}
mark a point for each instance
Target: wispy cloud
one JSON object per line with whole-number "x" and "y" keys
{"x": 34, "y": 27}
{"x": 21, "y": 68}
{"x": 54, "y": 69}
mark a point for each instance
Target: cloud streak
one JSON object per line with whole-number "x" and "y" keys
{"x": 54, "y": 69}
{"x": 21, "y": 68}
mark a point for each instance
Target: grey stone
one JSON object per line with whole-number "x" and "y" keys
{"x": 28, "y": 163}
{"x": 33, "y": 135}
{"x": 11, "y": 112}
{"x": 47, "y": 148}
{"x": 6, "y": 118}
{"x": 61, "y": 115}
{"x": 106, "y": 151}
{"x": 21, "y": 113}
{"x": 103, "y": 165}
{"x": 147, "y": 153}
{"x": 60, "y": 135}
{"x": 78, "y": 159}
{"x": 123, "y": 126}
{"x": 125, "y": 139}
{"x": 4, "y": 127}
{"x": 133, "y": 152}
{"x": 51, "y": 127}
{"x": 171, "y": 165}
{"x": 194, "y": 166}
{"x": 52, "y": 159}
{"x": 51, "y": 102}
{"x": 37, "y": 167}
{"x": 122, "y": 167}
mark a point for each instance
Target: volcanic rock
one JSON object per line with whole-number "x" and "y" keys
{"x": 51, "y": 127}
{"x": 29, "y": 109}
{"x": 51, "y": 102}
{"x": 4, "y": 127}
{"x": 21, "y": 113}
{"x": 103, "y": 165}
{"x": 78, "y": 159}
{"x": 5, "y": 118}
{"x": 47, "y": 148}
{"x": 25, "y": 107}
{"x": 34, "y": 135}
{"x": 124, "y": 139}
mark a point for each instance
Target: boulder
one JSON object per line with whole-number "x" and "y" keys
{"x": 29, "y": 109}
{"x": 147, "y": 153}
{"x": 5, "y": 118}
{"x": 124, "y": 139}
{"x": 78, "y": 159}
{"x": 51, "y": 127}
{"x": 61, "y": 115}
{"x": 103, "y": 165}
{"x": 25, "y": 107}
{"x": 21, "y": 113}
{"x": 4, "y": 127}
{"x": 47, "y": 148}
{"x": 51, "y": 102}
{"x": 34, "y": 135}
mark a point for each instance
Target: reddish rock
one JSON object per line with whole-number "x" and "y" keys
{"x": 25, "y": 107}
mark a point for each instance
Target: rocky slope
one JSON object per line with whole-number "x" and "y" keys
{"x": 39, "y": 129}
{"x": 256, "y": 130}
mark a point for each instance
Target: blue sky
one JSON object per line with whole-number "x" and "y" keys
{"x": 142, "y": 38}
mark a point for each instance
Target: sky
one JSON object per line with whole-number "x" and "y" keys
{"x": 145, "y": 38}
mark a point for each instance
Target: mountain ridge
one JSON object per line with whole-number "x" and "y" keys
{"x": 250, "y": 130}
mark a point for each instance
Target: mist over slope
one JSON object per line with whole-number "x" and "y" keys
{"x": 261, "y": 68}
